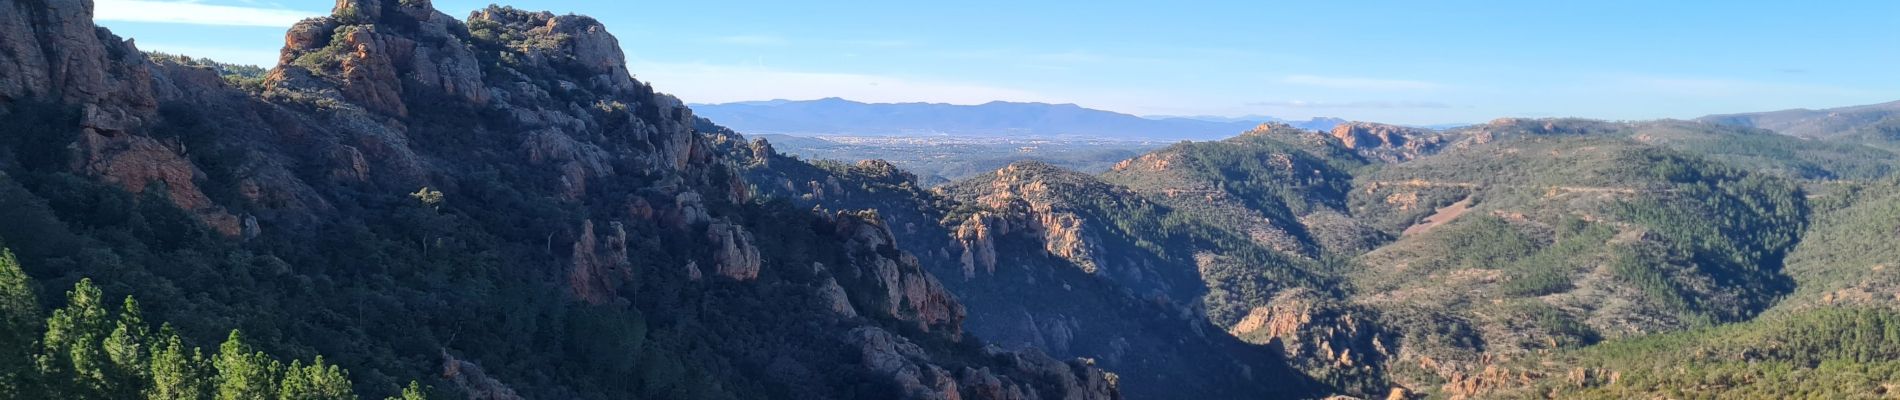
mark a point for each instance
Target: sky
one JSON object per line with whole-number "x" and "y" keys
{"x": 1408, "y": 62}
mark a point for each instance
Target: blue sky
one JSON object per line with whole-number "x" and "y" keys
{"x": 1412, "y": 62}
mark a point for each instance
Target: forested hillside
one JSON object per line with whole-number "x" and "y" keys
{"x": 1385, "y": 260}
{"x": 1004, "y": 250}
{"x": 1873, "y": 123}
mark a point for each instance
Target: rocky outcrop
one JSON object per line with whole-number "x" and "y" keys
{"x": 1306, "y": 326}
{"x": 903, "y": 289}
{"x": 919, "y": 378}
{"x": 387, "y": 56}
{"x": 1389, "y": 143}
{"x": 574, "y": 40}
{"x": 1488, "y": 381}
{"x": 1025, "y": 187}
{"x": 51, "y": 52}
{"x": 658, "y": 126}
{"x": 733, "y": 254}
{"x": 977, "y": 236}
{"x": 836, "y": 298}
{"x": 577, "y": 161}
{"x": 356, "y": 50}
{"x": 904, "y": 362}
{"x": 599, "y": 264}
{"x": 138, "y": 163}
{"x": 688, "y": 209}
{"x": 1080, "y": 379}
{"x": 476, "y": 383}
{"x": 762, "y": 152}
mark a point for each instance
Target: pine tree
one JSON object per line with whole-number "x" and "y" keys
{"x": 19, "y": 326}
{"x": 244, "y": 374}
{"x": 128, "y": 350}
{"x": 177, "y": 374}
{"x": 72, "y": 359}
{"x": 315, "y": 382}
{"x": 413, "y": 392}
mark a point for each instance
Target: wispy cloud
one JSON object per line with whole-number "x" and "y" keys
{"x": 1354, "y": 83}
{"x": 1350, "y": 104}
{"x": 196, "y": 13}
{"x": 710, "y": 83}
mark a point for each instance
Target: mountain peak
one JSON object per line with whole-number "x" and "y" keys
{"x": 377, "y": 53}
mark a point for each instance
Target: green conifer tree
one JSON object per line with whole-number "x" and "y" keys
{"x": 72, "y": 359}
{"x": 413, "y": 392}
{"x": 177, "y": 374}
{"x": 317, "y": 381}
{"x": 19, "y": 325}
{"x": 128, "y": 351}
{"x": 244, "y": 374}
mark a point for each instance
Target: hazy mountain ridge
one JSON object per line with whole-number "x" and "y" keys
{"x": 1874, "y": 122}
{"x": 834, "y": 116}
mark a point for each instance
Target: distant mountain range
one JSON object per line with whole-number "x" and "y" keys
{"x": 1872, "y": 121}
{"x": 835, "y": 116}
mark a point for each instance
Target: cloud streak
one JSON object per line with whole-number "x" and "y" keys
{"x": 1354, "y": 83}
{"x": 193, "y": 13}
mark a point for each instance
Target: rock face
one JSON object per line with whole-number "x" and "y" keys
{"x": 1319, "y": 333}
{"x": 1021, "y": 186}
{"x": 976, "y": 236}
{"x": 908, "y": 293}
{"x": 918, "y": 378}
{"x": 599, "y": 264}
{"x": 50, "y": 51}
{"x": 1389, "y": 143}
{"x": 370, "y": 66}
{"x": 839, "y": 301}
{"x": 733, "y": 255}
